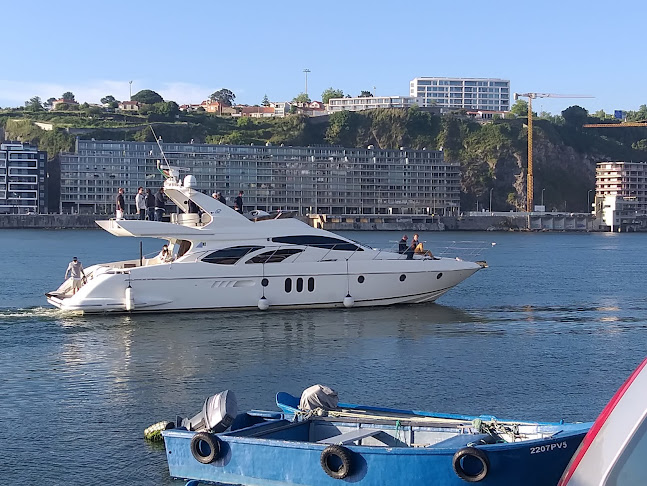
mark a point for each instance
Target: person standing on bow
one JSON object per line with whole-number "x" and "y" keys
{"x": 150, "y": 205}
{"x": 120, "y": 204}
{"x": 238, "y": 203}
{"x": 140, "y": 203}
{"x": 160, "y": 204}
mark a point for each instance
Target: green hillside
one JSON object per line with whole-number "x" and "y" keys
{"x": 492, "y": 155}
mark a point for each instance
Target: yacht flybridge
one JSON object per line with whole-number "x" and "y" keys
{"x": 223, "y": 260}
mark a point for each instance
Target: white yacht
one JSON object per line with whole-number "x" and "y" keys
{"x": 222, "y": 260}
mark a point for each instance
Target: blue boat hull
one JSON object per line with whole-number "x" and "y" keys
{"x": 285, "y": 457}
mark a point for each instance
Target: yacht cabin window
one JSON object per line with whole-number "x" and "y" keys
{"x": 326, "y": 242}
{"x": 229, "y": 256}
{"x": 274, "y": 256}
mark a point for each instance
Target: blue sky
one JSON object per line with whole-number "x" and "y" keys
{"x": 185, "y": 50}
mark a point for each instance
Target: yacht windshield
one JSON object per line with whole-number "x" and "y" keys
{"x": 229, "y": 256}
{"x": 326, "y": 242}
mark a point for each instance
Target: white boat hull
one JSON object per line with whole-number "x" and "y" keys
{"x": 197, "y": 287}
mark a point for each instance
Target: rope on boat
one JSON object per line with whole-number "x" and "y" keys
{"x": 495, "y": 428}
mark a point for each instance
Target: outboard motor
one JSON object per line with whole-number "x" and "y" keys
{"x": 318, "y": 396}
{"x": 218, "y": 412}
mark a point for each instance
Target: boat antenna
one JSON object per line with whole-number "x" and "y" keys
{"x": 168, "y": 166}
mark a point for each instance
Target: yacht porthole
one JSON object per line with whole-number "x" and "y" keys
{"x": 265, "y": 282}
{"x": 360, "y": 279}
{"x": 439, "y": 276}
{"x": 299, "y": 284}
{"x": 311, "y": 284}
{"x": 288, "y": 285}
{"x": 403, "y": 277}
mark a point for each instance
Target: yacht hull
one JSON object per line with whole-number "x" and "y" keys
{"x": 195, "y": 286}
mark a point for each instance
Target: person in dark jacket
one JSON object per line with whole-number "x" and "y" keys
{"x": 120, "y": 203}
{"x": 402, "y": 246}
{"x": 160, "y": 204}
{"x": 150, "y": 205}
{"x": 238, "y": 203}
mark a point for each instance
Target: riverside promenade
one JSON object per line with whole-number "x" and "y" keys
{"x": 469, "y": 222}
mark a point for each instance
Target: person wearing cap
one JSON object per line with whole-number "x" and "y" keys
{"x": 75, "y": 269}
{"x": 402, "y": 246}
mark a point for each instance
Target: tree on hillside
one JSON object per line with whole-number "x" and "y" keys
{"x": 34, "y": 104}
{"x": 110, "y": 101}
{"x": 266, "y": 101}
{"x": 365, "y": 94}
{"x": 223, "y": 96}
{"x": 331, "y": 93}
{"x": 301, "y": 98}
{"x": 148, "y": 97}
{"x": 68, "y": 96}
{"x": 575, "y": 116}
{"x": 49, "y": 102}
{"x": 520, "y": 108}
{"x": 639, "y": 115}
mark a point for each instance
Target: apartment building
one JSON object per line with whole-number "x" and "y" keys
{"x": 372, "y": 102}
{"x": 325, "y": 180}
{"x": 469, "y": 93}
{"x": 22, "y": 178}
{"x": 621, "y": 193}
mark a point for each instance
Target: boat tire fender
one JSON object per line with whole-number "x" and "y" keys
{"x": 338, "y": 454}
{"x": 205, "y": 447}
{"x": 476, "y": 454}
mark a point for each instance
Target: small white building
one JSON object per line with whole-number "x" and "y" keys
{"x": 132, "y": 106}
{"x": 281, "y": 108}
{"x": 361, "y": 103}
{"x": 622, "y": 213}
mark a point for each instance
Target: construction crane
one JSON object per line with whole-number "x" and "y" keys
{"x": 532, "y": 96}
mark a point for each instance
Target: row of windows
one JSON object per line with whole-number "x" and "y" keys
{"x": 299, "y": 285}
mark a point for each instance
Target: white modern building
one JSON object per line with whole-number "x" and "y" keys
{"x": 22, "y": 178}
{"x": 361, "y": 103}
{"x": 321, "y": 180}
{"x": 621, "y": 194}
{"x": 469, "y": 93}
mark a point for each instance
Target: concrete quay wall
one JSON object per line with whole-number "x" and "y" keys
{"x": 49, "y": 221}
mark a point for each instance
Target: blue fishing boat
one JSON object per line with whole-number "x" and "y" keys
{"x": 366, "y": 446}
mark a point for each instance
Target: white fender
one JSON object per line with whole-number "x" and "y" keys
{"x": 263, "y": 303}
{"x": 349, "y": 301}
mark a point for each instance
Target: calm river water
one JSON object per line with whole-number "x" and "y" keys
{"x": 549, "y": 331}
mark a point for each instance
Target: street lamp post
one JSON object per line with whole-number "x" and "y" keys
{"x": 306, "y": 71}
{"x": 588, "y": 201}
{"x": 491, "y": 189}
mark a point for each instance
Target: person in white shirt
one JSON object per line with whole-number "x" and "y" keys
{"x": 75, "y": 269}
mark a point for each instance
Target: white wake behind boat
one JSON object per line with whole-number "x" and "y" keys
{"x": 223, "y": 260}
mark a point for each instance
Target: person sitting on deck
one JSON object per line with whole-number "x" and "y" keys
{"x": 402, "y": 246}
{"x": 418, "y": 248}
{"x": 165, "y": 256}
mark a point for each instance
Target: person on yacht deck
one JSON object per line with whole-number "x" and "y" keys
{"x": 402, "y": 246}
{"x": 165, "y": 256}
{"x": 75, "y": 269}
{"x": 160, "y": 204}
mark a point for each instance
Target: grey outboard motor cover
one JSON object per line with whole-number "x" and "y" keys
{"x": 318, "y": 396}
{"x": 218, "y": 412}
